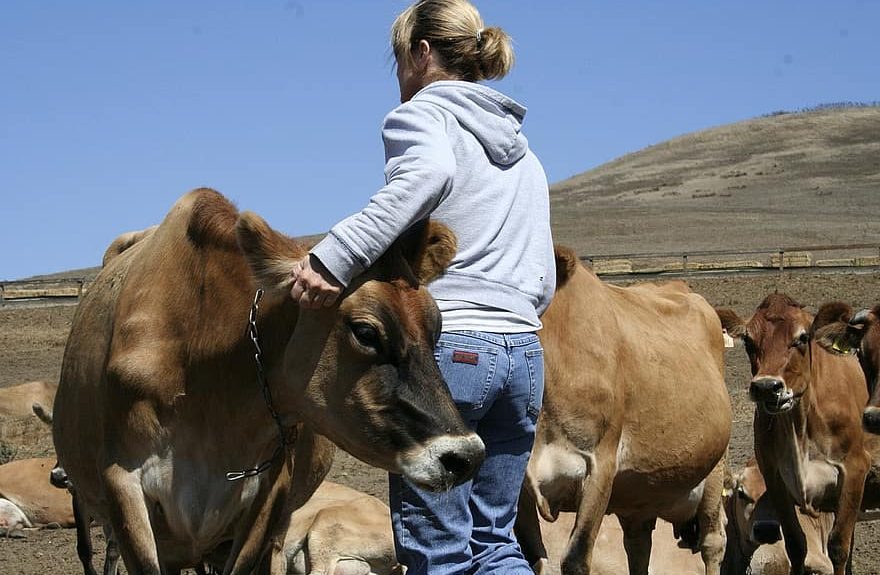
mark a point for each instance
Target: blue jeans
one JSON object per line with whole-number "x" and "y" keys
{"x": 497, "y": 382}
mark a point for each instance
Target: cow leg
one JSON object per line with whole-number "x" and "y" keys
{"x": 637, "y": 543}
{"x": 528, "y": 530}
{"x": 596, "y": 493}
{"x": 130, "y": 521}
{"x": 83, "y": 535}
{"x": 854, "y": 470}
{"x": 795, "y": 540}
{"x": 288, "y": 487}
{"x": 253, "y": 537}
{"x": 111, "y": 561}
{"x": 713, "y": 538}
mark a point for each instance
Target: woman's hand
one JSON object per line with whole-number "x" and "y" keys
{"x": 313, "y": 286}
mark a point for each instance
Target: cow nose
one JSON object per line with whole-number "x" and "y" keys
{"x": 462, "y": 463}
{"x": 766, "y": 386}
{"x": 766, "y": 532}
{"x": 871, "y": 419}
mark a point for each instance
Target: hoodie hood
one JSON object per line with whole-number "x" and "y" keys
{"x": 493, "y": 118}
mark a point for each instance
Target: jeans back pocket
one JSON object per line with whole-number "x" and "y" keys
{"x": 468, "y": 370}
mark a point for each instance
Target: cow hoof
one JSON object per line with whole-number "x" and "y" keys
{"x": 766, "y": 532}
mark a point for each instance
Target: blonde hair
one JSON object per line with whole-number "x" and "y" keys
{"x": 455, "y": 30}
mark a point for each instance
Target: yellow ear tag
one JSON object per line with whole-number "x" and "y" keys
{"x": 840, "y": 349}
{"x": 727, "y": 491}
{"x": 728, "y": 341}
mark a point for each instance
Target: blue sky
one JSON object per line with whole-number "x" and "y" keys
{"x": 110, "y": 110}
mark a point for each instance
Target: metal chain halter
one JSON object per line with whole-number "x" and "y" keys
{"x": 283, "y": 439}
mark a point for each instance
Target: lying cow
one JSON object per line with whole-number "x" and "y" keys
{"x": 754, "y": 539}
{"x": 19, "y": 400}
{"x": 636, "y": 418}
{"x": 340, "y": 531}
{"x": 840, "y": 329}
{"x": 808, "y": 437}
{"x": 25, "y": 484}
{"x": 160, "y": 395}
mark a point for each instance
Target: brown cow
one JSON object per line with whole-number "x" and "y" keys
{"x": 25, "y": 482}
{"x": 636, "y": 418}
{"x": 808, "y": 438}
{"x": 840, "y": 329}
{"x": 19, "y": 400}
{"x": 160, "y": 395}
{"x": 754, "y": 540}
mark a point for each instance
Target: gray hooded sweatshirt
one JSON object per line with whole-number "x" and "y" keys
{"x": 455, "y": 152}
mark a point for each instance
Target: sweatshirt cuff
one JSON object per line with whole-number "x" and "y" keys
{"x": 337, "y": 258}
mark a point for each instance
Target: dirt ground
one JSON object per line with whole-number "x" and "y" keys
{"x": 32, "y": 344}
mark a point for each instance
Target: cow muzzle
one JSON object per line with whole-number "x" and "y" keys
{"x": 443, "y": 462}
{"x": 772, "y": 395}
{"x": 766, "y": 532}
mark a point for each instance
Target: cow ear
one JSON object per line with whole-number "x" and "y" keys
{"x": 566, "y": 264}
{"x": 428, "y": 247}
{"x": 731, "y": 322}
{"x": 831, "y": 312}
{"x": 833, "y": 332}
{"x": 270, "y": 254}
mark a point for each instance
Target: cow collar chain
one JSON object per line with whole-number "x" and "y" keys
{"x": 283, "y": 439}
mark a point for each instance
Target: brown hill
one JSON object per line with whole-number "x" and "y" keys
{"x": 785, "y": 181}
{"x": 788, "y": 180}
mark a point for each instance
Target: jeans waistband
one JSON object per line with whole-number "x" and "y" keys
{"x": 502, "y": 339}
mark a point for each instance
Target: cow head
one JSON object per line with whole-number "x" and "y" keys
{"x": 363, "y": 372}
{"x": 840, "y": 329}
{"x": 777, "y": 341}
{"x": 749, "y": 514}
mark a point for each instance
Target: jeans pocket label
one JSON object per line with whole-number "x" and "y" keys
{"x": 467, "y": 357}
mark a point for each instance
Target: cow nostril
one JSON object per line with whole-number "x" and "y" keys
{"x": 461, "y": 466}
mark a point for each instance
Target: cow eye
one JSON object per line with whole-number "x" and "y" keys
{"x": 802, "y": 340}
{"x": 366, "y": 335}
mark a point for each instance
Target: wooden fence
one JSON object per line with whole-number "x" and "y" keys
{"x": 824, "y": 256}
{"x": 827, "y": 256}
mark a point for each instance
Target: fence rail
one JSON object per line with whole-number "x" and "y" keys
{"x": 696, "y": 261}
{"x": 820, "y": 256}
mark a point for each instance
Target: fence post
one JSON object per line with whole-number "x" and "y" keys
{"x": 2, "y": 289}
{"x": 684, "y": 262}
{"x": 79, "y": 289}
{"x": 781, "y": 260}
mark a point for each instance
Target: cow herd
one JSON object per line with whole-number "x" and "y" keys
{"x": 198, "y": 411}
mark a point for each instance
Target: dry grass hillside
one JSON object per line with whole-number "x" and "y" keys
{"x": 784, "y": 181}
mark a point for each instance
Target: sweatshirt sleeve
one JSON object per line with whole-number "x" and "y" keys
{"x": 419, "y": 169}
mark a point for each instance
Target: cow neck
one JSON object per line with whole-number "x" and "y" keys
{"x": 787, "y": 433}
{"x": 286, "y": 437}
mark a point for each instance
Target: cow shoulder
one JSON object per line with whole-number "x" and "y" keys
{"x": 191, "y": 263}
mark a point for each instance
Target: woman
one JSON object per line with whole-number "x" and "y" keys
{"x": 455, "y": 152}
